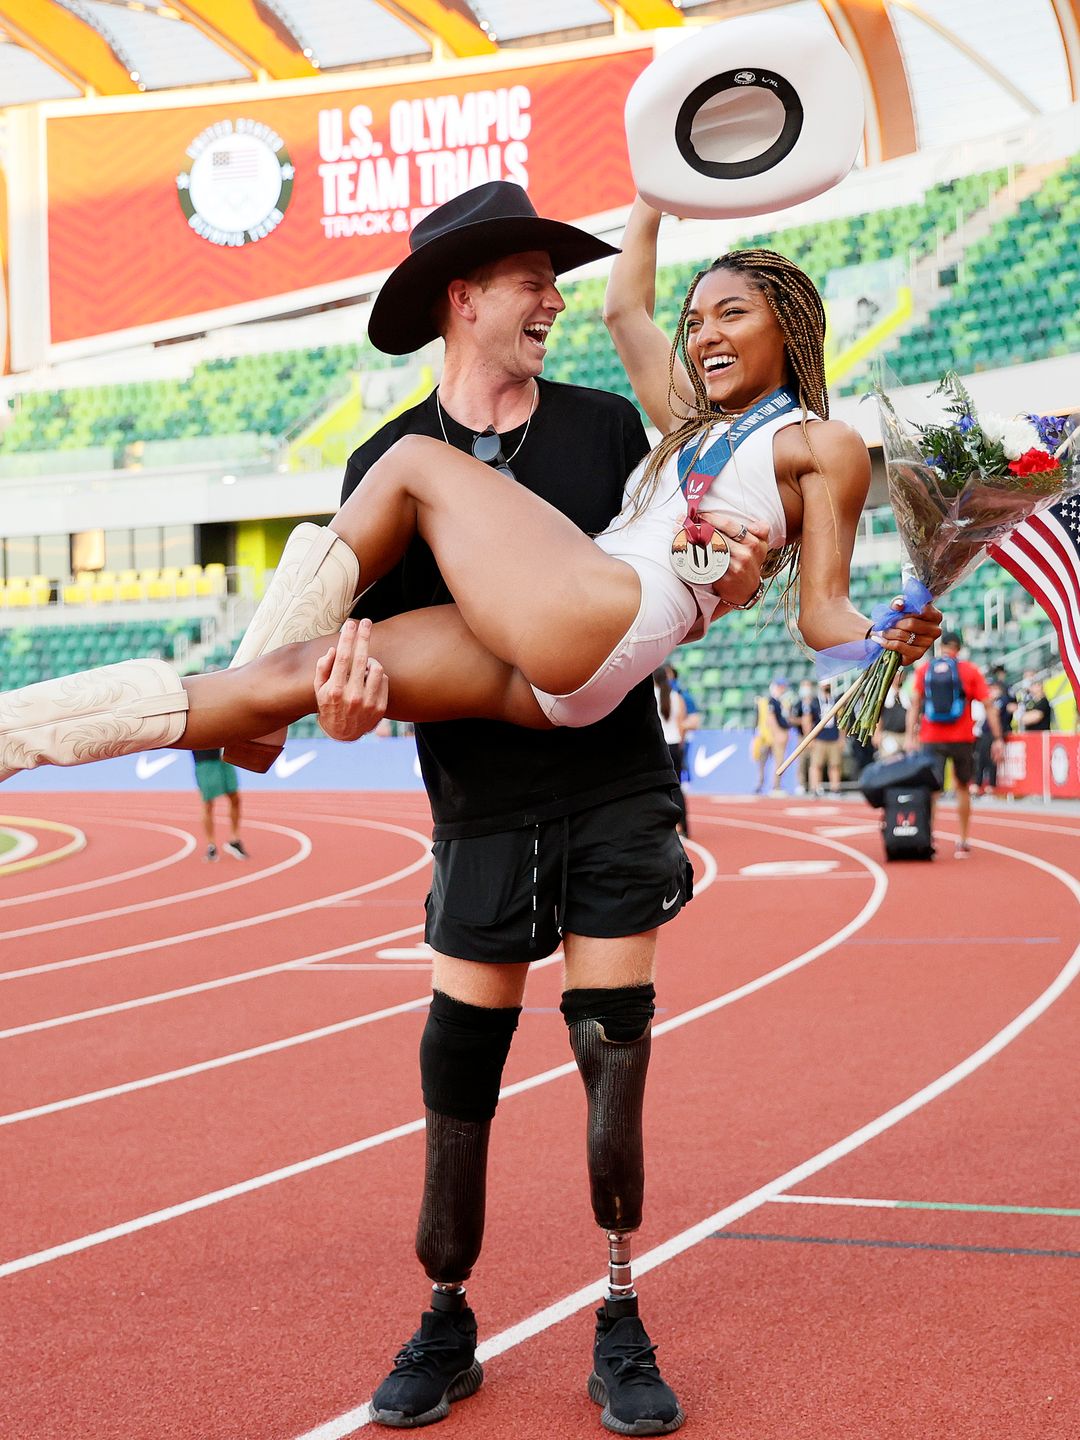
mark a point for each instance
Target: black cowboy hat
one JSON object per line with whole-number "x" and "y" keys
{"x": 482, "y": 225}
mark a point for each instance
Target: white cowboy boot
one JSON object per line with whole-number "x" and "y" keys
{"x": 311, "y": 594}
{"x": 93, "y": 715}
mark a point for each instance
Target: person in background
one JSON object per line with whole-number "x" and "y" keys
{"x": 892, "y": 727}
{"x": 940, "y": 719}
{"x": 1038, "y": 713}
{"x": 1006, "y": 700}
{"x": 1024, "y": 695}
{"x": 216, "y": 777}
{"x": 773, "y": 728}
{"x": 693, "y": 710}
{"x": 984, "y": 781}
{"x": 672, "y": 708}
{"x": 827, "y": 750}
{"x": 804, "y": 715}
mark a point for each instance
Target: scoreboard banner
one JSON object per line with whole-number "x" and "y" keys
{"x": 161, "y": 215}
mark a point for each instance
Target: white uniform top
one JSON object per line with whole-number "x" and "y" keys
{"x": 745, "y": 488}
{"x": 670, "y": 611}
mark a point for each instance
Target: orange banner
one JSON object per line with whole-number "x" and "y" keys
{"x": 156, "y": 215}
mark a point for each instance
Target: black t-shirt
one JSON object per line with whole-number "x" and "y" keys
{"x": 1046, "y": 715}
{"x": 894, "y": 716}
{"x": 483, "y": 775}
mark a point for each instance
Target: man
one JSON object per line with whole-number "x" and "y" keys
{"x": 526, "y": 822}
{"x": 940, "y": 718}
{"x": 827, "y": 750}
{"x": 804, "y": 714}
{"x": 1038, "y": 713}
{"x": 216, "y": 777}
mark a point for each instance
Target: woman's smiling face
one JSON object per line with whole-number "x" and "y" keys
{"x": 734, "y": 340}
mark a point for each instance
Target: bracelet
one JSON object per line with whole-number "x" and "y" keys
{"x": 748, "y": 604}
{"x": 869, "y": 632}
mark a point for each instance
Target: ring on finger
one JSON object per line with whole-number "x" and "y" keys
{"x": 742, "y": 534}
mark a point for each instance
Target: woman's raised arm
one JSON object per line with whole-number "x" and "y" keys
{"x": 643, "y": 347}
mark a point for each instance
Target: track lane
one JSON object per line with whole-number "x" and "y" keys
{"x": 334, "y": 1322}
{"x": 228, "y": 929}
{"x": 75, "y": 1137}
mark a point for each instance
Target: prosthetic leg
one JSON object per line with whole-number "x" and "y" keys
{"x": 311, "y": 594}
{"x": 611, "y": 1040}
{"x": 462, "y": 1054}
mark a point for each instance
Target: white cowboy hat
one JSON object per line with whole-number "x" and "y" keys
{"x": 744, "y": 117}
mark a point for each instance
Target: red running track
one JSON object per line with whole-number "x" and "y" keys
{"x": 211, "y": 1151}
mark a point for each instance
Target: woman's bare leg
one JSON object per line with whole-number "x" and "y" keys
{"x": 533, "y": 589}
{"x": 437, "y": 668}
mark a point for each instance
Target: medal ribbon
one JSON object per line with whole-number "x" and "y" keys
{"x": 697, "y": 481}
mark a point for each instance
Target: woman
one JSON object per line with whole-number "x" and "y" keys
{"x": 549, "y": 627}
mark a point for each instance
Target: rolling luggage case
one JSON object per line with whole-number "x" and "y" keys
{"x": 905, "y": 824}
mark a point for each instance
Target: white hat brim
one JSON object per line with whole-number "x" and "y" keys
{"x": 745, "y": 117}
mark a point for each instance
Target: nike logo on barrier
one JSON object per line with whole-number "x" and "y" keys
{"x": 667, "y": 904}
{"x": 145, "y": 767}
{"x": 706, "y": 764}
{"x": 284, "y": 768}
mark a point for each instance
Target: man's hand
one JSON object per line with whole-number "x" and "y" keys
{"x": 748, "y": 544}
{"x": 912, "y": 636}
{"x": 351, "y": 688}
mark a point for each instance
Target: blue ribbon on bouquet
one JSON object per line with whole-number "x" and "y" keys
{"x": 858, "y": 654}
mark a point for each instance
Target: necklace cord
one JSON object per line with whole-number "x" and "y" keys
{"x": 521, "y": 442}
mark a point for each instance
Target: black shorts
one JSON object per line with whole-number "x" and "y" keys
{"x": 614, "y": 870}
{"x": 960, "y": 752}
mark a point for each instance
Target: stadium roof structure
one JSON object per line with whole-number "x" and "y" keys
{"x": 934, "y": 69}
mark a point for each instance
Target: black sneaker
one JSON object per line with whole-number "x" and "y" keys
{"x": 211, "y": 853}
{"x": 235, "y": 848}
{"x": 436, "y": 1366}
{"x": 626, "y": 1380}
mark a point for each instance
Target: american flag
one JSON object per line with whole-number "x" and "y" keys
{"x": 235, "y": 164}
{"x": 1043, "y": 553}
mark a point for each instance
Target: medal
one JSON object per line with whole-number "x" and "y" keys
{"x": 700, "y": 562}
{"x": 699, "y": 553}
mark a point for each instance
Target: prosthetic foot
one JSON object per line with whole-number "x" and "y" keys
{"x": 433, "y": 1369}
{"x": 625, "y": 1380}
{"x": 93, "y": 715}
{"x": 311, "y": 594}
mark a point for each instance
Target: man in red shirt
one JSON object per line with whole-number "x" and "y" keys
{"x": 939, "y": 717}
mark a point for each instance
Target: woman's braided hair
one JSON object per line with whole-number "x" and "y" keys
{"x": 794, "y": 300}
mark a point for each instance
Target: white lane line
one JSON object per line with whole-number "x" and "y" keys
{"x": 270, "y": 1047}
{"x": 187, "y": 846}
{"x": 161, "y": 997}
{"x": 249, "y": 877}
{"x": 263, "y": 918}
{"x": 273, "y": 1177}
{"x": 356, "y": 1419}
{"x": 25, "y": 844}
{"x": 219, "y": 1062}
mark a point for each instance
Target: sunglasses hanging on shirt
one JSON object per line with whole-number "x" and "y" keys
{"x": 487, "y": 446}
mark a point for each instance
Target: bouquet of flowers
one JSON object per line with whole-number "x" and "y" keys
{"x": 956, "y": 486}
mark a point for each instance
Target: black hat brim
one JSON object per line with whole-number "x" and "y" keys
{"x": 401, "y": 318}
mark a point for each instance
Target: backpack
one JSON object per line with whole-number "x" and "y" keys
{"x": 944, "y": 697}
